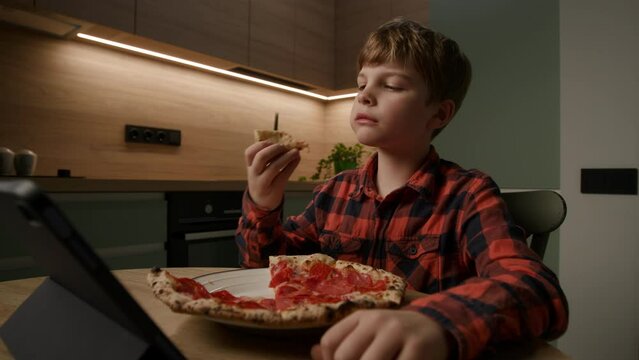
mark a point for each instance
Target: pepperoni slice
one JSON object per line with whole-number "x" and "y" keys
{"x": 191, "y": 287}
{"x": 268, "y": 303}
{"x": 358, "y": 279}
{"x": 223, "y": 295}
{"x": 246, "y": 303}
{"x": 280, "y": 273}
{"x": 284, "y": 303}
{"x": 286, "y": 290}
{"x": 320, "y": 270}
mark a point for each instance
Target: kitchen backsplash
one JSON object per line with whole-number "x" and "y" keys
{"x": 69, "y": 102}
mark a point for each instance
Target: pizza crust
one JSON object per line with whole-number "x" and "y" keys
{"x": 280, "y": 137}
{"x": 163, "y": 289}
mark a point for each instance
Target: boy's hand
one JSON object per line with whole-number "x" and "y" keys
{"x": 383, "y": 334}
{"x": 268, "y": 168}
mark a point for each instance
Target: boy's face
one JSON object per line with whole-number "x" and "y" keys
{"x": 391, "y": 111}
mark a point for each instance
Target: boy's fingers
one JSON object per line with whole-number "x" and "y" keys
{"x": 334, "y": 336}
{"x": 409, "y": 353}
{"x": 281, "y": 163}
{"x": 386, "y": 345}
{"x": 316, "y": 352}
{"x": 286, "y": 171}
{"x": 280, "y": 168}
{"x": 251, "y": 151}
{"x": 356, "y": 342}
{"x": 267, "y": 188}
{"x": 267, "y": 157}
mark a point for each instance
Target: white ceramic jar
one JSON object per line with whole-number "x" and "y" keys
{"x": 25, "y": 162}
{"x": 6, "y": 161}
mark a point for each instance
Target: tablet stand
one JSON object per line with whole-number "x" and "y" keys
{"x": 53, "y": 323}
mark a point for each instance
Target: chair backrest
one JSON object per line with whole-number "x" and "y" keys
{"x": 538, "y": 212}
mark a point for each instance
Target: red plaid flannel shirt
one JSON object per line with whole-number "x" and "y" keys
{"x": 447, "y": 232}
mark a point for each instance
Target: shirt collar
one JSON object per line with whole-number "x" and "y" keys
{"x": 423, "y": 181}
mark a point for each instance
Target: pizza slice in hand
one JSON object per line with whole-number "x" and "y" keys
{"x": 310, "y": 290}
{"x": 280, "y": 137}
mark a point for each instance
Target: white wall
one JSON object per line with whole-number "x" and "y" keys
{"x": 513, "y": 47}
{"x": 599, "y": 248}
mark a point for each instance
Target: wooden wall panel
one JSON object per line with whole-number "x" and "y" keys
{"x": 338, "y": 127}
{"x": 69, "y": 101}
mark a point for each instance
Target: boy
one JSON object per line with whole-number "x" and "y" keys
{"x": 445, "y": 229}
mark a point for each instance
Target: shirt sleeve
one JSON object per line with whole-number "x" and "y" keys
{"x": 261, "y": 233}
{"x": 513, "y": 295}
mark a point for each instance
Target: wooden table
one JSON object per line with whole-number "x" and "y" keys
{"x": 200, "y": 338}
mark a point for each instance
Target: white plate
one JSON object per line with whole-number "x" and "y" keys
{"x": 241, "y": 282}
{"x": 247, "y": 282}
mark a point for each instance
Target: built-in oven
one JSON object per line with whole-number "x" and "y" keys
{"x": 201, "y": 228}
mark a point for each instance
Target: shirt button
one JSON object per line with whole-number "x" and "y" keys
{"x": 412, "y": 250}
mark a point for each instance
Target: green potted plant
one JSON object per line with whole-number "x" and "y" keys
{"x": 341, "y": 158}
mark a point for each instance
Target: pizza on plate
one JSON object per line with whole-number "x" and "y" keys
{"x": 280, "y": 137}
{"x": 309, "y": 290}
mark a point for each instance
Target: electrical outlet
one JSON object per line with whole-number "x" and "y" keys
{"x": 151, "y": 135}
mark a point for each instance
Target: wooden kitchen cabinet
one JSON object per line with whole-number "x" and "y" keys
{"x": 354, "y": 20}
{"x": 18, "y": 4}
{"x": 216, "y": 27}
{"x": 118, "y": 14}
{"x": 412, "y": 9}
{"x": 272, "y": 36}
{"x": 291, "y": 38}
{"x": 295, "y": 39}
{"x": 314, "y": 53}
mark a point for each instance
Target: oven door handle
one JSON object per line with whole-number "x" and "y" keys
{"x": 204, "y": 219}
{"x": 209, "y": 235}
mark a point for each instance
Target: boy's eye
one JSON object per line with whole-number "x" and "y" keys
{"x": 391, "y": 87}
{"x": 361, "y": 87}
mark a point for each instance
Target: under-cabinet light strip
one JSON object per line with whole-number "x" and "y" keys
{"x": 211, "y": 68}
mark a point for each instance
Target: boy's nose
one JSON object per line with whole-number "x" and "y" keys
{"x": 365, "y": 97}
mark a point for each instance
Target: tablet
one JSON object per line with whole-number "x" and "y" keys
{"x": 29, "y": 216}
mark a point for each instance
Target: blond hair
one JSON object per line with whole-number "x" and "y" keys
{"x": 443, "y": 66}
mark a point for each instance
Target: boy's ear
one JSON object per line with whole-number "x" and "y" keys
{"x": 444, "y": 114}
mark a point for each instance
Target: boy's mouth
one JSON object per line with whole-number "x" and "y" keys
{"x": 363, "y": 118}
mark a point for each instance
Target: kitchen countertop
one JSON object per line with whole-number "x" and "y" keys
{"x": 79, "y": 185}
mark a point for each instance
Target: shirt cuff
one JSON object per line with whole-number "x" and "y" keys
{"x": 252, "y": 210}
{"x": 454, "y": 340}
